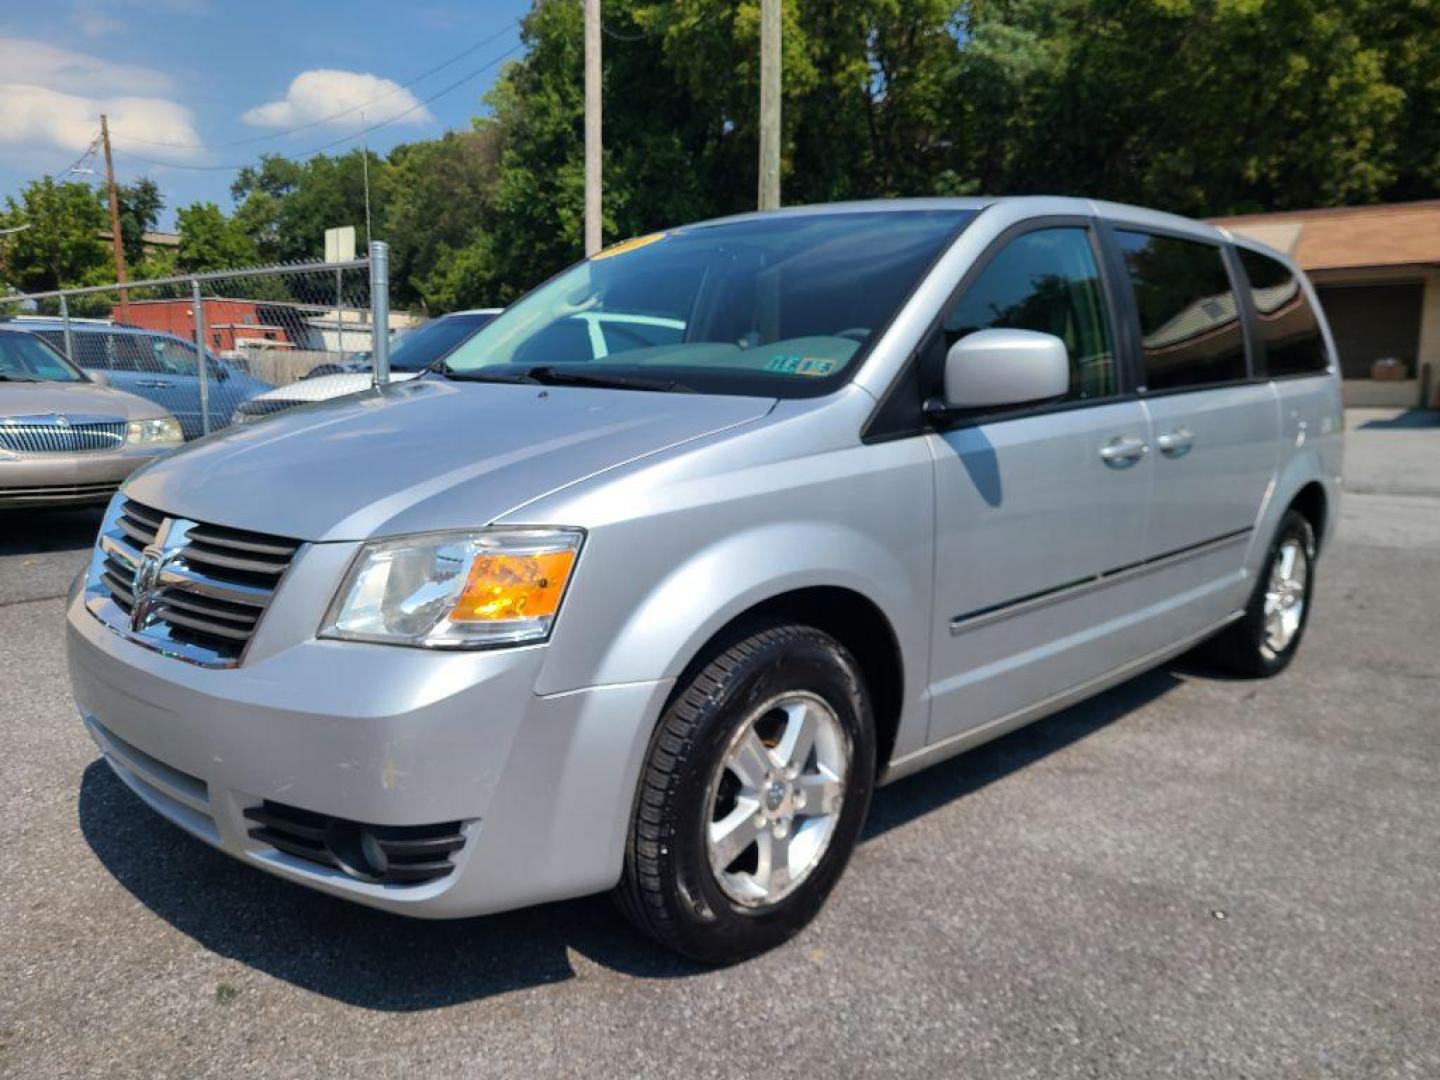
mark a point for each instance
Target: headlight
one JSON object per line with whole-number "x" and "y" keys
{"x": 467, "y": 590}
{"x": 166, "y": 429}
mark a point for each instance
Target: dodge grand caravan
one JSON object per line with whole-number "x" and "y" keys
{"x": 533, "y": 626}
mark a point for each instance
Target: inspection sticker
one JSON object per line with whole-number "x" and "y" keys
{"x": 800, "y": 365}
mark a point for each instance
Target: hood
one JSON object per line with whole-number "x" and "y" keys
{"x": 421, "y": 455}
{"x": 73, "y": 399}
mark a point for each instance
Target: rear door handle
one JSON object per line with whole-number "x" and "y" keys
{"x": 1123, "y": 450}
{"x": 1176, "y": 443}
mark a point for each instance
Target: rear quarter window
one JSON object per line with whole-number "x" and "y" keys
{"x": 1289, "y": 331}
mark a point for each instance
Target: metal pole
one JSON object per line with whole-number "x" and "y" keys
{"x": 69, "y": 341}
{"x": 592, "y": 128}
{"x": 769, "y": 104}
{"x": 340, "y": 314}
{"x": 198, "y": 305}
{"x": 380, "y": 310}
{"x": 365, "y": 165}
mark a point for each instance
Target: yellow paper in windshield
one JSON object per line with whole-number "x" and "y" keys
{"x": 628, "y": 245}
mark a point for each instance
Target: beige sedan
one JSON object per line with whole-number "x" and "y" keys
{"x": 66, "y": 439}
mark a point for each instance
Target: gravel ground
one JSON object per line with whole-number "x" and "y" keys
{"x": 1188, "y": 876}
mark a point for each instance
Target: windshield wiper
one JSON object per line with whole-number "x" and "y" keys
{"x": 8, "y": 376}
{"x": 481, "y": 375}
{"x": 556, "y": 376}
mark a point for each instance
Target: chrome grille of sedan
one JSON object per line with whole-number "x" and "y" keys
{"x": 54, "y": 434}
{"x": 187, "y": 589}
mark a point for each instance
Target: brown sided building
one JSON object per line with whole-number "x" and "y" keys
{"x": 1377, "y": 269}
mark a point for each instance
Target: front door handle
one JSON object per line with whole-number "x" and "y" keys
{"x": 1176, "y": 443}
{"x": 153, "y": 384}
{"x": 1123, "y": 451}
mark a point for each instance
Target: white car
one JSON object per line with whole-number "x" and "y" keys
{"x": 598, "y": 333}
{"x": 412, "y": 354}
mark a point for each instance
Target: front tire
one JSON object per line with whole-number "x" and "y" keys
{"x": 752, "y": 798}
{"x": 1265, "y": 641}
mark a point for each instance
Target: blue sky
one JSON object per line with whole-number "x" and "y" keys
{"x": 183, "y": 81}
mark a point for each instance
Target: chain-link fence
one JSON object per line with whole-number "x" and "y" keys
{"x": 307, "y": 328}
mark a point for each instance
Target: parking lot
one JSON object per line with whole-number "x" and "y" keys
{"x": 1188, "y": 876}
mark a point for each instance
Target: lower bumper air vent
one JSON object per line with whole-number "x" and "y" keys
{"x": 384, "y": 854}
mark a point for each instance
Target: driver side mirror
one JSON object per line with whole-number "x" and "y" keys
{"x": 99, "y": 378}
{"x": 1005, "y": 367}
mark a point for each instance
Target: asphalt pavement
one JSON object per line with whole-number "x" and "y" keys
{"x": 1187, "y": 876}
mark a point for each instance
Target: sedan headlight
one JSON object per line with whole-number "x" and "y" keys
{"x": 165, "y": 429}
{"x": 454, "y": 590}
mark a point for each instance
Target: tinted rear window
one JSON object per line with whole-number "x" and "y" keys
{"x": 1289, "y": 330}
{"x": 1190, "y": 329}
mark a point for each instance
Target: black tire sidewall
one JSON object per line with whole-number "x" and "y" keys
{"x": 719, "y": 928}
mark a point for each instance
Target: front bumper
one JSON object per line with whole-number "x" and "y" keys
{"x": 382, "y": 735}
{"x": 69, "y": 479}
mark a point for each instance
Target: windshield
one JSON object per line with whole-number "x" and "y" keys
{"x": 778, "y": 306}
{"x": 422, "y": 346}
{"x": 24, "y": 357}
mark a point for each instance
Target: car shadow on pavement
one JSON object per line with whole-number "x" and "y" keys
{"x": 1410, "y": 418}
{"x": 31, "y": 532}
{"x": 387, "y": 962}
{"x": 913, "y": 797}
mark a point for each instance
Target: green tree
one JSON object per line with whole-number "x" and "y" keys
{"x": 62, "y": 244}
{"x": 140, "y": 206}
{"x": 1198, "y": 106}
{"x": 211, "y": 241}
{"x": 285, "y": 206}
{"x": 436, "y": 196}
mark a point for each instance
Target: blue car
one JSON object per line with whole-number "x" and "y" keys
{"x": 154, "y": 365}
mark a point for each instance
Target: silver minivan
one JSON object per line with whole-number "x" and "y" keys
{"x": 541, "y": 623}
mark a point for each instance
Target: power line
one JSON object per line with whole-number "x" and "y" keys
{"x": 344, "y": 138}
{"x": 88, "y": 153}
{"x": 251, "y": 140}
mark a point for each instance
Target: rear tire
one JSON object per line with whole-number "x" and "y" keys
{"x": 1265, "y": 641}
{"x": 753, "y": 794}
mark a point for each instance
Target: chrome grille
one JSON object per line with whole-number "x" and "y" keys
{"x": 188, "y": 589}
{"x": 54, "y": 434}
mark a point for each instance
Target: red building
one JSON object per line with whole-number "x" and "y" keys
{"x": 229, "y": 324}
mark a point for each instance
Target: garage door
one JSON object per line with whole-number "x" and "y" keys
{"x": 1373, "y": 321}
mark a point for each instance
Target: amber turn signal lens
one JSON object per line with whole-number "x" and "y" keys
{"x": 514, "y": 587}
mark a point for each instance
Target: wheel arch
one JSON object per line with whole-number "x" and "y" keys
{"x": 1313, "y": 505}
{"x": 852, "y": 619}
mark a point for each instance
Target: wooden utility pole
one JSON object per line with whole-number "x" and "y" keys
{"x": 592, "y": 127}
{"x": 769, "y": 104}
{"x": 115, "y": 240}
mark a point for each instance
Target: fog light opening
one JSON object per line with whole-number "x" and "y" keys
{"x": 356, "y": 849}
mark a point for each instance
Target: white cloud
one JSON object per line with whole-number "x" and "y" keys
{"x": 25, "y": 60}
{"x": 318, "y": 95}
{"x": 38, "y": 116}
{"x": 51, "y": 98}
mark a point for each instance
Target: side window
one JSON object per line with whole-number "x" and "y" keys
{"x": 1289, "y": 330}
{"x": 131, "y": 354}
{"x": 94, "y": 350}
{"x": 622, "y": 335}
{"x": 1190, "y": 331}
{"x": 565, "y": 341}
{"x": 54, "y": 338}
{"x": 1048, "y": 281}
{"x": 173, "y": 357}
